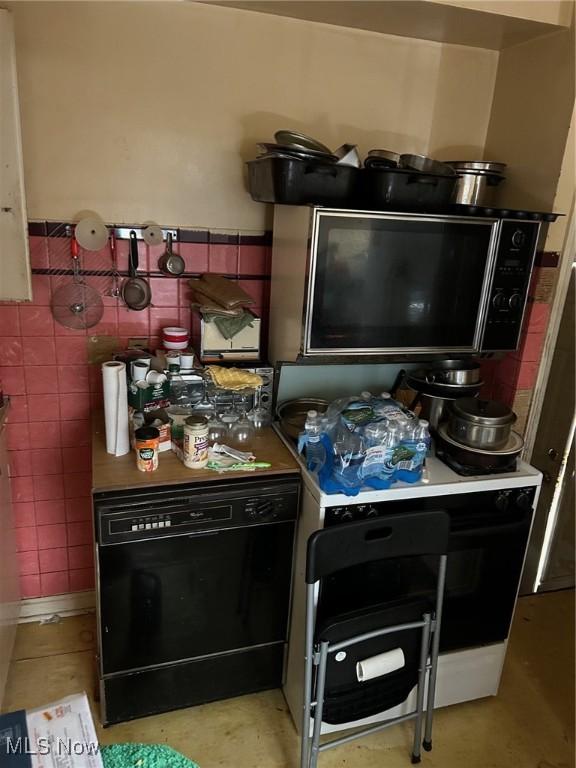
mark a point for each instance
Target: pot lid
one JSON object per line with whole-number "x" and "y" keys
{"x": 487, "y": 412}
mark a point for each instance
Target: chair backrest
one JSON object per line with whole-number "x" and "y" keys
{"x": 396, "y": 535}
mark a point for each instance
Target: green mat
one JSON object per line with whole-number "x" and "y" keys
{"x": 143, "y": 756}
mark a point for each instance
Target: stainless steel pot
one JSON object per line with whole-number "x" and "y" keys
{"x": 435, "y": 410}
{"x": 459, "y": 372}
{"x": 482, "y": 424}
{"x": 476, "y": 187}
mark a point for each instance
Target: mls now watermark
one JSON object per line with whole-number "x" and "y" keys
{"x": 48, "y": 746}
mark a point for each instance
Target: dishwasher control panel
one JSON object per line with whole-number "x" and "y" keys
{"x": 168, "y": 514}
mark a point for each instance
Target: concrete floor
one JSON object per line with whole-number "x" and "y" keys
{"x": 529, "y": 725}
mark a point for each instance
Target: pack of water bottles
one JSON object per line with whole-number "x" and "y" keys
{"x": 365, "y": 441}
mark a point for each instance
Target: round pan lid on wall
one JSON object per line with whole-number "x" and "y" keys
{"x": 91, "y": 234}
{"x": 151, "y": 233}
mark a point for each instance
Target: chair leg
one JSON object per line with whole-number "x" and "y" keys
{"x": 420, "y": 690}
{"x": 319, "y": 708}
{"x": 427, "y": 743}
{"x": 308, "y": 664}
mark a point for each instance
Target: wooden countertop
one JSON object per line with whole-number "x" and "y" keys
{"x": 113, "y": 473}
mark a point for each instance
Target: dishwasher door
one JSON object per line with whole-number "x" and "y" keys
{"x": 175, "y": 598}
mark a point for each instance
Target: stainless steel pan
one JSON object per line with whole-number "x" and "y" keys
{"x": 458, "y": 372}
{"x": 171, "y": 263}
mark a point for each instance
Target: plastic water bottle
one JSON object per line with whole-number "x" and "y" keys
{"x": 422, "y": 434}
{"x": 390, "y": 444}
{"x": 315, "y": 450}
{"x": 349, "y": 458}
{"x": 411, "y": 453}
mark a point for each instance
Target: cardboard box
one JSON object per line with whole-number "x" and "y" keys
{"x": 152, "y": 398}
{"x": 164, "y": 443}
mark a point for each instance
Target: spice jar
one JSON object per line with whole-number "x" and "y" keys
{"x": 195, "y": 442}
{"x": 146, "y": 446}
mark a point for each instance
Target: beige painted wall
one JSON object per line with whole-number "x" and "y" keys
{"x": 533, "y": 104}
{"x": 545, "y": 11}
{"x": 146, "y": 110}
{"x": 565, "y": 192}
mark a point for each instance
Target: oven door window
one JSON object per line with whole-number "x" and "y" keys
{"x": 398, "y": 283}
{"x": 176, "y": 598}
{"x": 482, "y": 577}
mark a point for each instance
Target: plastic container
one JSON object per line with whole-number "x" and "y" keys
{"x": 146, "y": 441}
{"x": 382, "y": 188}
{"x": 297, "y": 182}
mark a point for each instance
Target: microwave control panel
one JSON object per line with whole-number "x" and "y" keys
{"x": 512, "y": 270}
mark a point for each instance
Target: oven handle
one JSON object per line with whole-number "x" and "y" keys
{"x": 492, "y": 530}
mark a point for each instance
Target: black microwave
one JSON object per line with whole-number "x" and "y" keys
{"x": 368, "y": 284}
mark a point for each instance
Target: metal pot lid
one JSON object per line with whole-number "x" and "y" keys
{"x": 477, "y": 165}
{"x": 295, "y": 151}
{"x": 301, "y": 140}
{"x": 489, "y": 413}
{"x": 514, "y": 444}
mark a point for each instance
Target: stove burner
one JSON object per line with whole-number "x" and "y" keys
{"x": 467, "y": 470}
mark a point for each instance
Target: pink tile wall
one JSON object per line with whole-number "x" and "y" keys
{"x": 53, "y": 390}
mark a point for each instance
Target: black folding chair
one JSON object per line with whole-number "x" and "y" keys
{"x": 345, "y": 640}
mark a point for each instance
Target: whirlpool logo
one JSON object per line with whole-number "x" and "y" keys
{"x": 58, "y": 747}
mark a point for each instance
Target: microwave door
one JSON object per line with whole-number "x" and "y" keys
{"x": 382, "y": 283}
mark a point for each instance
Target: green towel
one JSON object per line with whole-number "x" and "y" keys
{"x": 230, "y": 326}
{"x": 143, "y": 756}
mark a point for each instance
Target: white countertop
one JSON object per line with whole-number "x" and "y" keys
{"x": 438, "y": 480}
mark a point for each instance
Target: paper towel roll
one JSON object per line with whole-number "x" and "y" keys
{"x": 115, "y": 408}
{"x": 382, "y": 664}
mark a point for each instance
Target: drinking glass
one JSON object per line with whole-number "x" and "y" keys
{"x": 259, "y": 416}
{"x": 217, "y": 430}
{"x": 242, "y": 431}
{"x": 205, "y": 407}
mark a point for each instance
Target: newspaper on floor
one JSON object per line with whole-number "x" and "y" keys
{"x": 59, "y": 735}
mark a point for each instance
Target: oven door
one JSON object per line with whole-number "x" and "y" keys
{"x": 180, "y": 597}
{"x": 486, "y": 553}
{"x": 397, "y": 283}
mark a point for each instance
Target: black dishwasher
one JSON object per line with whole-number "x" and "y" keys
{"x": 193, "y": 593}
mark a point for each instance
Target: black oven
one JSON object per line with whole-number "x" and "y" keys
{"x": 488, "y": 537}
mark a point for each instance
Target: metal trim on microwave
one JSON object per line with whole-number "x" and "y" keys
{"x": 308, "y": 308}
